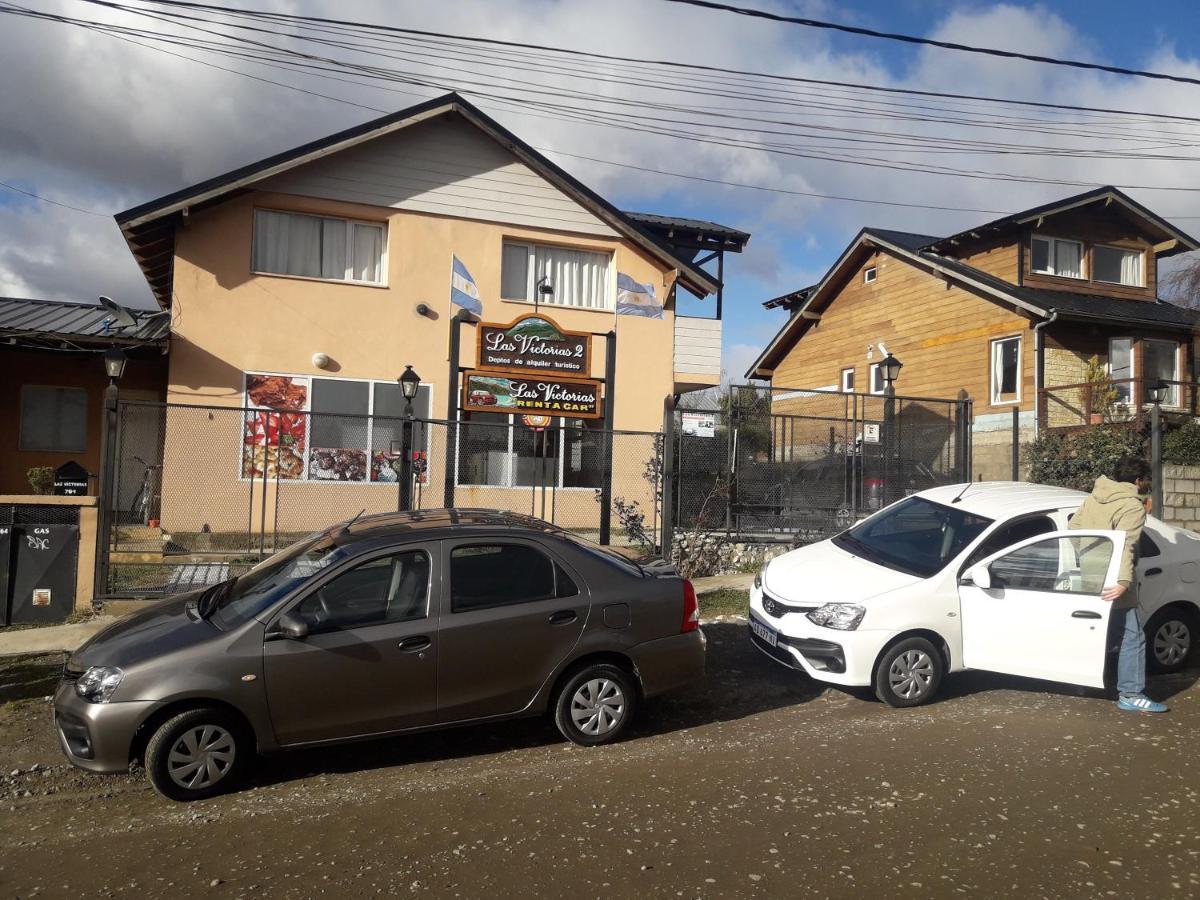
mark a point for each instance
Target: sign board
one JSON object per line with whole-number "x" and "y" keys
{"x": 534, "y": 345}
{"x": 700, "y": 424}
{"x": 871, "y": 433}
{"x": 70, "y": 480}
{"x": 547, "y": 396}
{"x": 537, "y": 423}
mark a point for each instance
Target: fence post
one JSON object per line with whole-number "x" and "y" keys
{"x": 667, "y": 537}
{"x": 1016, "y": 443}
{"x": 610, "y": 379}
{"x": 104, "y": 516}
{"x": 1156, "y": 460}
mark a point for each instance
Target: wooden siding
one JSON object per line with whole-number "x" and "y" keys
{"x": 942, "y": 334}
{"x": 697, "y": 347}
{"x": 444, "y": 166}
{"x": 1001, "y": 260}
{"x": 1093, "y": 225}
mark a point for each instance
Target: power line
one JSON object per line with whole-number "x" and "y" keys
{"x": 930, "y": 42}
{"x": 13, "y": 187}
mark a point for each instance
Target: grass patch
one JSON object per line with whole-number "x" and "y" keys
{"x": 724, "y": 602}
{"x": 73, "y": 618}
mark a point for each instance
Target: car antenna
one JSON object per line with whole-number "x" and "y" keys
{"x": 966, "y": 487}
{"x": 346, "y": 527}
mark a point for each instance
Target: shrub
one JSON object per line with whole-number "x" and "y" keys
{"x": 41, "y": 479}
{"x": 1075, "y": 459}
{"x": 1181, "y": 447}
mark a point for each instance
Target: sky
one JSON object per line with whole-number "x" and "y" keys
{"x": 97, "y": 123}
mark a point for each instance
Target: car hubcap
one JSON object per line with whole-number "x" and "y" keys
{"x": 597, "y": 706}
{"x": 911, "y": 674}
{"x": 1172, "y": 642}
{"x": 201, "y": 757}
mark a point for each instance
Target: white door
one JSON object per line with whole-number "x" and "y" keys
{"x": 1040, "y": 614}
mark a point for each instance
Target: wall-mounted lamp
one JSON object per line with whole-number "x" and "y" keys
{"x": 320, "y": 360}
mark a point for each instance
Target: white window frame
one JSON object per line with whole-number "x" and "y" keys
{"x": 871, "y": 381}
{"x": 1141, "y": 254}
{"x": 1053, "y": 255}
{"x": 21, "y": 419}
{"x": 847, "y": 389}
{"x": 509, "y": 483}
{"x": 308, "y": 413}
{"x": 870, "y": 274}
{"x": 994, "y": 348}
{"x": 610, "y": 276}
{"x": 1172, "y": 399}
{"x": 1125, "y": 386}
{"x": 350, "y": 223}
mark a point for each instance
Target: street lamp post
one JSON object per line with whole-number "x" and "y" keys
{"x": 891, "y": 371}
{"x": 114, "y": 366}
{"x": 1158, "y": 392}
{"x": 410, "y": 381}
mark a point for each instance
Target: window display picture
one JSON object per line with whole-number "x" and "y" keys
{"x": 275, "y": 431}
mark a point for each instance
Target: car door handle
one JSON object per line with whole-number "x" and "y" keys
{"x": 414, "y": 644}
{"x": 1086, "y": 614}
{"x": 563, "y": 617}
{"x": 1151, "y": 572}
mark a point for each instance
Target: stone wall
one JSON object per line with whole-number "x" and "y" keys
{"x": 716, "y": 554}
{"x": 1181, "y": 496}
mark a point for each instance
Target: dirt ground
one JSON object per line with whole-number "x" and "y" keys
{"x": 758, "y": 783}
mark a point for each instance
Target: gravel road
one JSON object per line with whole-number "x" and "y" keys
{"x": 759, "y": 783}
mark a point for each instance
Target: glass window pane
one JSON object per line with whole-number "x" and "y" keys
{"x": 388, "y": 426}
{"x": 1161, "y": 359}
{"x": 368, "y": 253}
{"x": 333, "y": 248}
{"x": 483, "y": 456}
{"x": 338, "y": 435}
{"x": 498, "y": 575}
{"x": 1070, "y": 565}
{"x": 303, "y": 246}
{"x": 583, "y": 451}
{"x": 270, "y": 241}
{"x": 1005, "y": 369}
{"x": 514, "y": 272}
{"x": 1067, "y": 257}
{"x": 53, "y": 418}
{"x": 915, "y": 535}
{"x": 1120, "y": 367}
{"x": 388, "y": 589}
{"x": 1041, "y": 255}
{"x": 577, "y": 277}
{"x": 535, "y": 455}
{"x": 1112, "y": 264}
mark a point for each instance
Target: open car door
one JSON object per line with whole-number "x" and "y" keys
{"x": 1034, "y": 608}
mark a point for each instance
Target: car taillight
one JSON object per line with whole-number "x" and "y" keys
{"x": 691, "y": 609}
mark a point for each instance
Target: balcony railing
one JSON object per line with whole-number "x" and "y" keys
{"x": 1115, "y": 401}
{"x": 697, "y": 351}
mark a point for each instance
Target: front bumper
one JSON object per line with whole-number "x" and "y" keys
{"x": 670, "y": 662}
{"x": 97, "y": 736}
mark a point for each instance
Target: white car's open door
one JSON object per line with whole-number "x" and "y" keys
{"x": 1034, "y": 608}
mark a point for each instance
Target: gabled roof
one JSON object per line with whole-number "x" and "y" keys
{"x": 149, "y": 228}
{"x": 52, "y": 322}
{"x": 672, "y": 228}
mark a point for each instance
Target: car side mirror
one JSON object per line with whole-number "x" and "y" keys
{"x": 980, "y": 577}
{"x": 292, "y": 627}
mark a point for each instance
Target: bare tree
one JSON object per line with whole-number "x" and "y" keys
{"x": 1181, "y": 283}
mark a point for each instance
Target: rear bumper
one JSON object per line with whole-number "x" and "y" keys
{"x": 670, "y": 662}
{"x": 97, "y": 736}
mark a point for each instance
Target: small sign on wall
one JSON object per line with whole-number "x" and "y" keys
{"x": 41, "y": 597}
{"x": 871, "y": 433}
{"x": 699, "y": 424}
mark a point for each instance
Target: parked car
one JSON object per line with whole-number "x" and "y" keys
{"x": 976, "y": 576}
{"x": 383, "y": 625}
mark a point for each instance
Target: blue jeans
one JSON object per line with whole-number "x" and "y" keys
{"x": 1131, "y": 663}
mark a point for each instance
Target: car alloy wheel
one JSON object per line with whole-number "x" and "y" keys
{"x": 1172, "y": 642}
{"x": 911, "y": 674}
{"x": 201, "y": 757}
{"x": 598, "y": 706}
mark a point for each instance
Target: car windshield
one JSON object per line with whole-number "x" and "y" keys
{"x": 251, "y": 593}
{"x": 915, "y": 536}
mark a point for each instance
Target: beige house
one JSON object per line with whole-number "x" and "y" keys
{"x": 303, "y": 285}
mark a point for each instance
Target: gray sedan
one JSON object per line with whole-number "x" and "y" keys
{"x": 383, "y": 625}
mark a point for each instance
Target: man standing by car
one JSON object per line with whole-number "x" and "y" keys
{"x": 1115, "y": 505}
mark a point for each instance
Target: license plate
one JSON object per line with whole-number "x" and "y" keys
{"x": 762, "y": 632}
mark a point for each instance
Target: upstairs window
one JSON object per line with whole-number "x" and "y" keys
{"x": 1006, "y": 370}
{"x": 870, "y": 274}
{"x": 576, "y": 277}
{"x": 878, "y": 385}
{"x": 1055, "y": 256}
{"x": 318, "y": 247}
{"x": 847, "y": 381}
{"x": 1117, "y": 265}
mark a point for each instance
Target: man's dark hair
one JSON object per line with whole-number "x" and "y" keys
{"x": 1130, "y": 469}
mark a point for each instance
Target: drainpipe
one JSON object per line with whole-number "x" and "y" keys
{"x": 1039, "y": 377}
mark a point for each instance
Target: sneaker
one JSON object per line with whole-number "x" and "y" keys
{"x": 1140, "y": 703}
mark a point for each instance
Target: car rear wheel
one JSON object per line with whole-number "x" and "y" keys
{"x": 595, "y": 704}
{"x": 909, "y": 673}
{"x": 1170, "y": 639}
{"x": 197, "y": 754}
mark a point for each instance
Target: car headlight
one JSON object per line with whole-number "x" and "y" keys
{"x": 758, "y": 577}
{"x": 842, "y": 616}
{"x": 98, "y": 683}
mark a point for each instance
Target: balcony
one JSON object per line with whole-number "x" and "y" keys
{"x": 697, "y": 353}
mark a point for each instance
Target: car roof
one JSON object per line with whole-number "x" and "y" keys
{"x": 1004, "y": 499}
{"x": 433, "y": 523}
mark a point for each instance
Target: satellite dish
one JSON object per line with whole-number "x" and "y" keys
{"x": 121, "y": 317}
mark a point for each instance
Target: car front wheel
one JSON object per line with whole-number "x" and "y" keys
{"x": 909, "y": 673}
{"x": 1170, "y": 637}
{"x": 595, "y": 704}
{"x": 197, "y": 754}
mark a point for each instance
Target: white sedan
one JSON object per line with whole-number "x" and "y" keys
{"x": 978, "y": 576}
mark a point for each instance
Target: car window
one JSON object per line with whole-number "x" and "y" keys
{"x": 393, "y": 588}
{"x": 1146, "y": 548}
{"x": 275, "y": 577}
{"x": 487, "y": 575}
{"x": 563, "y": 585}
{"x": 1008, "y": 534}
{"x": 915, "y": 535}
{"x": 1065, "y": 565}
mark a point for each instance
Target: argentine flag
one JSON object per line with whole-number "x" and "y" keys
{"x": 463, "y": 290}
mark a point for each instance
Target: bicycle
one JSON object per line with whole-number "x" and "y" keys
{"x": 145, "y": 500}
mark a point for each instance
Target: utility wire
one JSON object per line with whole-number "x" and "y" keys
{"x": 80, "y": 209}
{"x": 930, "y": 42}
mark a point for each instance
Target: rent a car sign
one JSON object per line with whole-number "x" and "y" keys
{"x": 497, "y": 392}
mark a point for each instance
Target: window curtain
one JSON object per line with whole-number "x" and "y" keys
{"x": 270, "y": 242}
{"x": 368, "y": 253}
{"x": 1131, "y": 268}
{"x": 333, "y": 247}
{"x": 1120, "y": 366}
{"x": 579, "y": 278}
{"x": 1067, "y": 259}
{"x": 1004, "y": 368}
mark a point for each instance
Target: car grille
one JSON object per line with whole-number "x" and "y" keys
{"x": 776, "y": 608}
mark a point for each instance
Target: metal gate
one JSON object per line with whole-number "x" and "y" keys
{"x": 805, "y": 464}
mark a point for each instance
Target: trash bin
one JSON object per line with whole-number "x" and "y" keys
{"x": 42, "y": 572}
{"x": 5, "y": 567}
